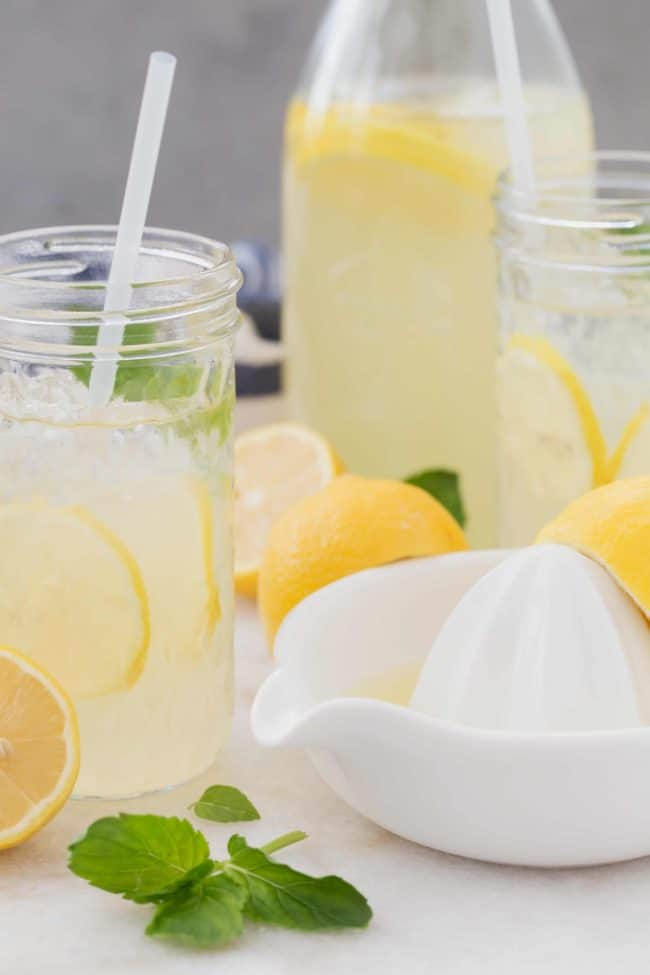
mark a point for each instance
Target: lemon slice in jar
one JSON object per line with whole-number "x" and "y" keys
{"x": 72, "y": 597}
{"x": 551, "y": 441}
{"x": 632, "y": 455}
{"x": 544, "y": 398}
{"x": 168, "y": 525}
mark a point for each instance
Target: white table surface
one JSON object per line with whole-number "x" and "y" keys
{"x": 433, "y": 913}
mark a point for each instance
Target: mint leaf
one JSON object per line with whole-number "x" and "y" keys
{"x": 141, "y": 857}
{"x": 138, "y": 381}
{"x": 444, "y": 486}
{"x": 172, "y": 383}
{"x": 277, "y": 894}
{"x": 225, "y": 804}
{"x": 205, "y": 421}
{"x": 207, "y": 915}
{"x": 235, "y": 844}
{"x": 189, "y": 879}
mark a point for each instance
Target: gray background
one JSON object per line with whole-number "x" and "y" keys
{"x": 71, "y": 73}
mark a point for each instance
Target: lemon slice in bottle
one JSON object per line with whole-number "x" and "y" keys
{"x": 39, "y": 748}
{"x": 72, "y": 597}
{"x": 428, "y": 143}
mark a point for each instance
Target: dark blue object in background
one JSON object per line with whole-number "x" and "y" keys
{"x": 259, "y": 354}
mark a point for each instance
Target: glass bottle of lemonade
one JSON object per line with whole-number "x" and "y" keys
{"x": 393, "y": 146}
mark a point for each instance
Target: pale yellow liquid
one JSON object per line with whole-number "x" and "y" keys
{"x": 390, "y": 279}
{"x": 395, "y": 686}
{"x": 166, "y": 500}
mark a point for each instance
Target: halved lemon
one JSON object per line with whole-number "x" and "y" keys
{"x": 275, "y": 466}
{"x": 72, "y": 597}
{"x": 355, "y": 523}
{"x": 612, "y": 526}
{"x": 39, "y": 748}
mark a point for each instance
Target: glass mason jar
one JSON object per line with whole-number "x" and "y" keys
{"x": 574, "y": 360}
{"x": 115, "y": 520}
{"x": 394, "y": 142}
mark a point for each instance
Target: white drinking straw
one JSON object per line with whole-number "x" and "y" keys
{"x": 142, "y": 169}
{"x": 506, "y": 55}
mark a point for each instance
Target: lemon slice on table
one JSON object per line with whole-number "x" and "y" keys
{"x": 39, "y": 748}
{"x": 428, "y": 143}
{"x": 167, "y": 524}
{"x": 72, "y": 597}
{"x": 275, "y": 466}
{"x": 612, "y": 526}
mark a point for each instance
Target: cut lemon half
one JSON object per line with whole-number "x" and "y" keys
{"x": 612, "y": 526}
{"x": 424, "y": 143}
{"x": 39, "y": 748}
{"x": 275, "y": 466}
{"x": 353, "y": 524}
{"x": 72, "y": 597}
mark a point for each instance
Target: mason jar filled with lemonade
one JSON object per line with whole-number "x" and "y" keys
{"x": 393, "y": 146}
{"x": 574, "y": 356}
{"x": 115, "y": 518}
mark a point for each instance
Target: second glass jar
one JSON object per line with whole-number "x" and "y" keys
{"x": 574, "y": 360}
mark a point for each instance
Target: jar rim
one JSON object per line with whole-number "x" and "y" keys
{"x": 558, "y": 183}
{"x": 53, "y": 283}
{"x": 602, "y": 198}
{"x": 47, "y": 271}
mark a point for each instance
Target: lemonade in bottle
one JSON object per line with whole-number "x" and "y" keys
{"x": 115, "y": 521}
{"x": 393, "y": 146}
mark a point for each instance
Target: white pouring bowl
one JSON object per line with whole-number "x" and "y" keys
{"x": 549, "y": 800}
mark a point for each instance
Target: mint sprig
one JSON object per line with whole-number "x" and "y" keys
{"x": 225, "y": 804}
{"x": 203, "y": 902}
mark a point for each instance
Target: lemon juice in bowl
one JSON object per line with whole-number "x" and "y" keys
{"x": 393, "y": 146}
{"x": 115, "y": 520}
{"x": 574, "y": 401}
